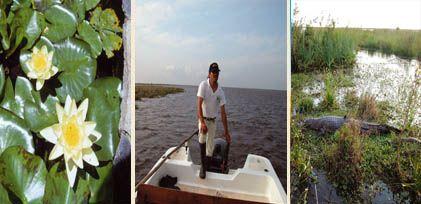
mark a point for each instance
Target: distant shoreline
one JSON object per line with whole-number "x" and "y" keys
{"x": 155, "y": 90}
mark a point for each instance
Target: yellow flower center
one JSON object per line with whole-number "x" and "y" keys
{"x": 40, "y": 62}
{"x": 72, "y": 133}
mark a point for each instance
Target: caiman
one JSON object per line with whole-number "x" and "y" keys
{"x": 329, "y": 124}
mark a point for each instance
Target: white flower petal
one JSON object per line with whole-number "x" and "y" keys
{"x": 71, "y": 170}
{"x": 97, "y": 135}
{"x": 54, "y": 70}
{"x": 77, "y": 158}
{"x": 32, "y": 74}
{"x": 56, "y": 152}
{"x": 50, "y": 57}
{"x": 49, "y": 134}
{"x": 35, "y": 50}
{"x": 73, "y": 108}
{"x": 82, "y": 110}
{"x": 90, "y": 157}
{"x": 60, "y": 112}
{"x": 44, "y": 50}
{"x": 39, "y": 84}
{"x": 67, "y": 105}
{"x": 86, "y": 143}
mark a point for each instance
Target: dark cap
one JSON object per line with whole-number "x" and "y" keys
{"x": 214, "y": 67}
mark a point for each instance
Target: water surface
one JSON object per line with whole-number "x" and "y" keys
{"x": 256, "y": 120}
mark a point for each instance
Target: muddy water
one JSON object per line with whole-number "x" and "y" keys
{"x": 256, "y": 119}
{"x": 387, "y": 77}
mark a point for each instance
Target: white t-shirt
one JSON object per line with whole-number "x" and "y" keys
{"x": 211, "y": 100}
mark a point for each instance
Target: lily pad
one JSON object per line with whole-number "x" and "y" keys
{"x": 4, "y": 36}
{"x": 4, "y": 197}
{"x": 15, "y": 100}
{"x": 77, "y": 66}
{"x": 107, "y": 24}
{"x": 101, "y": 188}
{"x": 104, "y": 94}
{"x": 14, "y": 131}
{"x": 42, "y": 5}
{"x": 23, "y": 174}
{"x": 26, "y": 24}
{"x": 77, "y": 6}
{"x": 43, "y": 113}
{"x": 2, "y": 80}
{"x": 90, "y": 4}
{"x": 58, "y": 190}
{"x": 89, "y": 35}
{"x": 18, "y": 4}
{"x": 62, "y": 24}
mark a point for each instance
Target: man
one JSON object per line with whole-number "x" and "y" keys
{"x": 210, "y": 96}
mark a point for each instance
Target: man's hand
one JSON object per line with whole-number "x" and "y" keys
{"x": 228, "y": 137}
{"x": 203, "y": 128}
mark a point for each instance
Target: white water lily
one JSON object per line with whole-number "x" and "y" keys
{"x": 41, "y": 66}
{"x": 73, "y": 137}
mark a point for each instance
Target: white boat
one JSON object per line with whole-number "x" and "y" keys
{"x": 256, "y": 182}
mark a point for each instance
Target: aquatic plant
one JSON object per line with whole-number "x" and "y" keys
{"x": 329, "y": 101}
{"x": 320, "y": 48}
{"x": 59, "y": 47}
{"x": 301, "y": 169}
{"x": 344, "y": 161}
{"x": 305, "y": 105}
{"x": 351, "y": 99}
{"x": 367, "y": 107}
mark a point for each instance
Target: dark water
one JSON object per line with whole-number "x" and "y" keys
{"x": 256, "y": 120}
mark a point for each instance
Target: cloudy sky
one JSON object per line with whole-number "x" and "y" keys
{"x": 176, "y": 40}
{"x": 405, "y": 14}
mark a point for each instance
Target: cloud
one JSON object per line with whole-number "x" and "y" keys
{"x": 151, "y": 14}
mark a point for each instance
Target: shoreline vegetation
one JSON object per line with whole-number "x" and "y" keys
{"x": 354, "y": 163}
{"x": 154, "y": 91}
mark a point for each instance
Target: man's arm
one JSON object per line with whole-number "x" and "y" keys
{"x": 203, "y": 127}
{"x": 225, "y": 123}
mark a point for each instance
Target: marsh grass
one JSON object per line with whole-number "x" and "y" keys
{"x": 345, "y": 159}
{"x": 367, "y": 108}
{"x": 329, "y": 101}
{"x": 154, "y": 91}
{"x": 328, "y": 47}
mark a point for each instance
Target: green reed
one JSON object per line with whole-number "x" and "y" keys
{"x": 327, "y": 48}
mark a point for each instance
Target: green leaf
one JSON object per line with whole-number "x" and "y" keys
{"x": 58, "y": 190}
{"x": 23, "y": 174}
{"x": 77, "y": 6}
{"x": 62, "y": 23}
{"x": 2, "y": 80}
{"x": 79, "y": 69}
{"x": 42, "y": 5}
{"x": 111, "y": 41}
{"x": 14, "y": 131}
{"x": 15, "y": 100}
{"x": 89, "y": 35}
{"x": 18, "y": 4}
{"x": 4, "y": 36}
{"x": 90, "y": 4}
{"x": 107, "y": 24}
{"x": 4, "y": 3}
{"x": 104, "y": 94}
{"x": 26, "y": 24}
{"x": 4, "y": 197}
{"x": 43, "y": 113}
{"x": 101, "y": 188}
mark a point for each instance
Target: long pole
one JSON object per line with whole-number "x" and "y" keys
{"x": 164, "y": 159}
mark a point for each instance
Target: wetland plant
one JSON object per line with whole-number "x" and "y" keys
{"x": 367, "y": 108}
{"x": 344, "y": 161}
